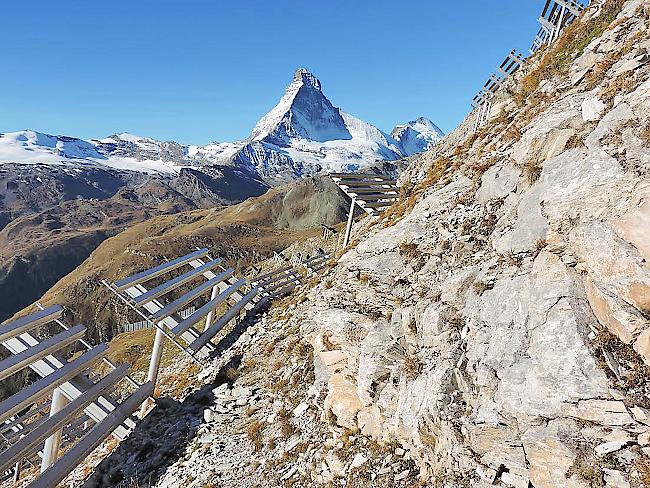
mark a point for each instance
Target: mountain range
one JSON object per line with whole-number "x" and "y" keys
{"x": 61, "y": 196}
{"x": 303, "y": 135}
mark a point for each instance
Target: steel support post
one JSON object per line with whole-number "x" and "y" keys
{"x": 210, "y": 316}
{"x": 154, "y": 367}
{"x": 348, "y": 228}
{"x": 17, "y": 469}
{"x": 558, "y": 29}
{"x": 52, "y": 443}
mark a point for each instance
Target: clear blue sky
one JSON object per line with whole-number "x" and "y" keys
{"x": 196, "y": 71}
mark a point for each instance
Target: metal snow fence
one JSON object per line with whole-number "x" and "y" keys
{"x": 327, "y": 231}
{"x": 317, "y": 262}
{"x": 374, "y": 193}
{"x": 483, "y": 99}
{"x": 556, "y": 16}
{"x": 33, "y": 427}
{"x": 212, "y": 288}
{"x": 145, "y": 324}
{"x": 278, "y": 282}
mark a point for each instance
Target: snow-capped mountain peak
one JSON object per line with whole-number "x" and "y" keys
{"x": 303, "y": 112}
{"x": 304, "y": 134}
{"x": 417, "y": 135}
{"x": 306, "y": 78}
{"x": 36, "y": 147}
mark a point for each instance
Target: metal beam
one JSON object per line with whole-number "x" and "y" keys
{"x": 348, "y": 228}
{"x": 9, "y": 330}
{"x": 162, "y": 325}
{"x": 222, "y": 286}
{"x": 275, "y": 278}
{"x": 265, "y": 278}
{"x": 389, "y": 199}
{"x": 364, "y": 184}
{"x": 358, "y": 176}
{"x": 72, "y": 389}
{"x": 294, "y": 279}
{"x": 190, "y": 296}
{"x": 10, "y": 424}
{"x": 149, "y": 274}
{"x": 208, "y": 307}
{"x": 175, "y": 283}
{"x": 547, "y": 25}
{"x": 42, "y": 387}
{"x": 376, "y": 205}
{"x": 223, "y": 320}
{"x": 573, "y": 7}
{"x": 16, "y": 362}
{"x": 156, "y": 356}
{"x": 59, "y": 470}
{"x": 53, "y": 442}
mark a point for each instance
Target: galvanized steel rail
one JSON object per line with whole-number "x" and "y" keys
{"x": 33, "y": 427}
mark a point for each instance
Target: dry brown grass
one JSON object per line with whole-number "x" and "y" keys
{"x": 409, "y": 250}
{"x": 644, "y": 134}
{"x": 502, "y": 119}
{"x": 375, "y": 314}
{"x": 413, "y": 367}
{"x": 510, "y": 258}
{"x": 512, "y": 133}
{"x": 286, "y": 427}
{"x": 643, "y": 468}
{"x": 427, "y": 438}
{"x": 254, "y": 432}
{"x": 279, "y": 385}
{"x": 329, "y": 345}
{"x": 598, "y": 72}
{"x": 480, "y": 287}
{"x": 621, "y": 85}
{"x": 532, "y": 171}
{"x": 303, "y": 350}
{"x": 588, "y": 469}
{"x": 637, "y": 379}
{"x": 575, "y": 141}
{"x": 455, "y": 321}
{"x": 477, "y": 169}
{"x": 572, "y": 43}
{"x": 409, "y": 197}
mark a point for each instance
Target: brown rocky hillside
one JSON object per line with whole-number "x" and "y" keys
{"x": 240, "y": 234}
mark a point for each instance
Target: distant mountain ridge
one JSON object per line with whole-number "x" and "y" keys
{"x": 417, "y": 135}
{"x": 303, "y": 135}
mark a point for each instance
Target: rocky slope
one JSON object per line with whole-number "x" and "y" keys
{"x": 490, "y": 329}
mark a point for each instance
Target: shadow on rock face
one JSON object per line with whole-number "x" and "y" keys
{"x": 161, "y": 439}
{"x": 155, "y": 444}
